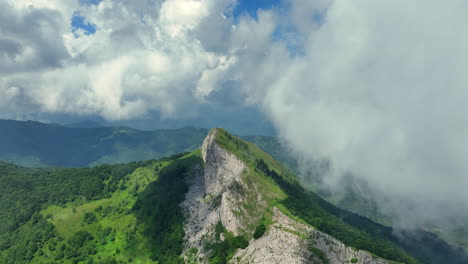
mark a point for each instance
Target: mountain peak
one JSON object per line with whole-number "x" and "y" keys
{"x": 208, "y": 142}
{"x": 222, "y": 167}
{"x": 240, "y": 196}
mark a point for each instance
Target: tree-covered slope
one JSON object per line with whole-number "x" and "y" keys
{"x": 38, "y": 144}
{"x": 106, "y": 214}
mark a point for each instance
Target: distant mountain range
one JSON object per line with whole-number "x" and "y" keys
{"x": 38, "y": 144}
{"x": 84, "y": 144}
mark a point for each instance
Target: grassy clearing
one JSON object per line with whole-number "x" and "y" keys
{"x": 114, "y": 224}
{"x": 69, "y": 219}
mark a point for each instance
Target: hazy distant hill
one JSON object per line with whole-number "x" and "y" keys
{"x": 84, "y": 144}
{"x": 37, "y": 144}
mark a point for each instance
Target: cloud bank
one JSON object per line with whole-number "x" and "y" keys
{"x": 380, "y": 92}
{"x": 376, "y": 88}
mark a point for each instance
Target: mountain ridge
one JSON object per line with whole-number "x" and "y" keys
{"x": 36, "y": 144}
{"x": 226, "y": 175}
{"x": 353, "y": 230}
{"x": 228, "y": 202}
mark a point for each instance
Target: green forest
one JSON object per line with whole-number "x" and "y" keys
{"x": 105, "y": 214}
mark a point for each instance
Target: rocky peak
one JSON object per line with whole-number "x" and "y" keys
{"x": 210, "y": 198}
{"x": 208, "y": 143}
{"x": 220, "y": 194}
{"x": 222, "y": 168}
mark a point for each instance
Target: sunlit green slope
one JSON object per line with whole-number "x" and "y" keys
{"x": 107, "y": 214}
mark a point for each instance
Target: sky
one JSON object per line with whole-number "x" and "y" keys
{"x": 378, "y": 88}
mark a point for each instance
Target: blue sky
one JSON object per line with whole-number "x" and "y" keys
{"x": 251, "y": 6}
{"x": 79, "y": 22}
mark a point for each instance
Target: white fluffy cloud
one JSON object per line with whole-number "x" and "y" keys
{"x": 144, "y": 56}
{"x": 165, "y": 56}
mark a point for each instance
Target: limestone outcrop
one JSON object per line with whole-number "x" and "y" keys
{"x": 214, "y": 197}
{"x": 289, "y": 241}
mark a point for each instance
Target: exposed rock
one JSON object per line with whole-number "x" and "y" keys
{"x": 289, "y": 241}
{"x": 218, "y": 193}
{"x": 280, "y": 244}
{"x": 222, "y": 168}
{"x": 210, "y": 198}
{"x": 200, "y": 216}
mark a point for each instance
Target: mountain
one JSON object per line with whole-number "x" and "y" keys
{"x": 227, "y": 202}
{"x": 85, "y": 124}
{"x": 85, "y": 144}
{"x": 37, "y": 144}
{"x": 31, "y": 143}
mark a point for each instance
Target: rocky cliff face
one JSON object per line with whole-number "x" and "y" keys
{"x": 217, "y": 194}
{"x": 211, "y": 198}
{"x": 222, "y": 168}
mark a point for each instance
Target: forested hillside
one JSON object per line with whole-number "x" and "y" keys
{"x": 107, "y": 214}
